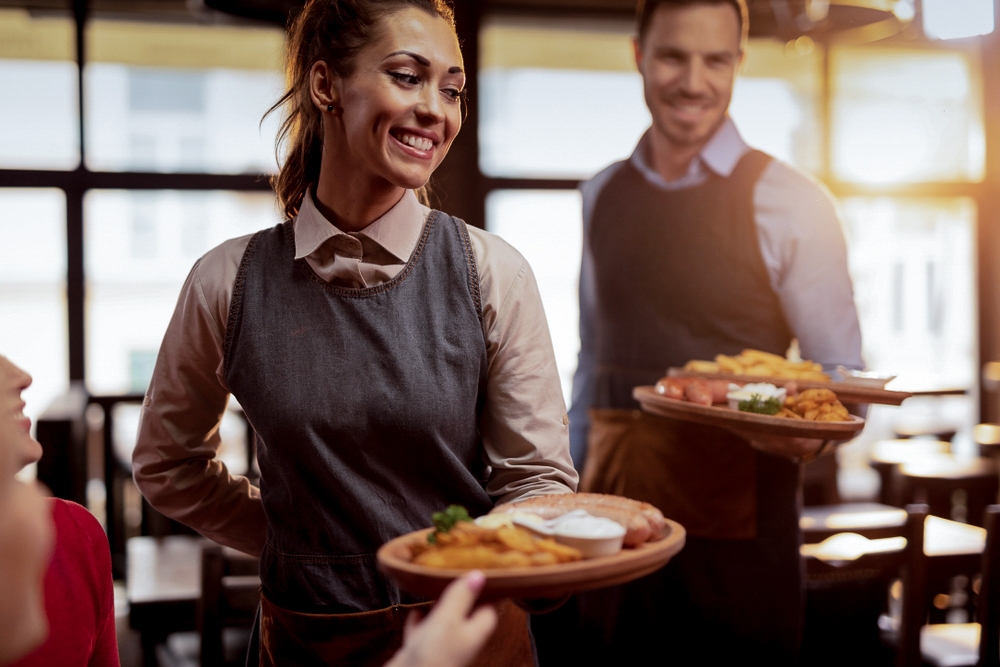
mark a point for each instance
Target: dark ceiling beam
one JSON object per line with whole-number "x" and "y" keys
{"x": 82, "y": 179}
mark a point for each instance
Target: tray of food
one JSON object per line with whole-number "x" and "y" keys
{"x": 541, "y": 548}
{"x": 758, "y": 366}
{"x": 754, "y": 407}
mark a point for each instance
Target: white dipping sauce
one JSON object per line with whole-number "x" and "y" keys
{"x": 588, "y": 526}
{"x": 594, "y": 536}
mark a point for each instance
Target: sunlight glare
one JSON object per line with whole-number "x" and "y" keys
{"x": 954, "y": 19}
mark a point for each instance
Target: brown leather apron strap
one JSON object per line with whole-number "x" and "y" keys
{"x": 702, "y": 477}
{"x": 371, "y": 638}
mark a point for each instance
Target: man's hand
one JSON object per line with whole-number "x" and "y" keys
{"x": 449, "y": 636}
{"x": 794, "y": 448}
{"x": 803, "y": 449}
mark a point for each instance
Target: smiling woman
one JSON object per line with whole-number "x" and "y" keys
{"x": 387, "y": 356}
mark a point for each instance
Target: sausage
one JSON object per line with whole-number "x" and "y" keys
{"x": 719, "y": 390}
{"x": 672, "y": 387}
{"x": 642, "y": 521}
{"x": 698, "y": 391}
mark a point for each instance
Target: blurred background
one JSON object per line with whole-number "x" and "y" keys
{"x": 133, "y": 141}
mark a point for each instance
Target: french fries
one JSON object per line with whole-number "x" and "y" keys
{"x": 758, "y": 362}
{"x": 468, "y": 546}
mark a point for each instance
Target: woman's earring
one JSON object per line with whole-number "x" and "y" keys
{"x": 329, "y": 108}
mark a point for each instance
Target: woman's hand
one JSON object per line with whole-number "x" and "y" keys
{"x": 450, "y": 636}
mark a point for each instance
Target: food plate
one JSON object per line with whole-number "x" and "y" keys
{"x": 542, "y": 582}
{"x": 847, "y": 392}
{"x": 745, "y": 421}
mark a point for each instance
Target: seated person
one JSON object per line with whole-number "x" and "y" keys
{"x": 78, "y": 594}
{"x": 25, "y": 545}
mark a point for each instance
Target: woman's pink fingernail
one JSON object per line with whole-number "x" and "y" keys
{"x": 476, "y": 580}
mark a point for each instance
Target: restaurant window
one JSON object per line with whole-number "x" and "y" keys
{"x": 907, "y": 115}
{"x": 924, "y": 326}
{"x": 32, "y": 290}
{"x": 785, "y": 79}
{"x": 564, "y": 101}
{"x": 38, "y": 109}
{"x": 181, "y": 98}
{"x": 901, "y": 118}
{"x": 131, "y": 295}
{"x": 545, "y": 227}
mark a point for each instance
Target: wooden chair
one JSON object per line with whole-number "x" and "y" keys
{"x": 934, "y": 431}
{"x": 847, "y": 578}
{"x": 987, "y": 438}
{"x": 978, "y": 643}
{"x": 953, "y": 488}
{"x": 887, "y": 455}
{"x": 230, "y": 593}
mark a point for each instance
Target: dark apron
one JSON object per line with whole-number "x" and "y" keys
{"x": 733, "y": 594}
{"x": 372, "y": 638}
{"x": 703, "y": 478}
{"x": 365, "y": 404}
{"x": 679, "y": 275}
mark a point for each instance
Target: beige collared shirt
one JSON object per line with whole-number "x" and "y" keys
{"x": 523, "y": 425}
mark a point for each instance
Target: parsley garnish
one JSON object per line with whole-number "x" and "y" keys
{"x": 760, "y": 405}
{"x": 446, "y": 520}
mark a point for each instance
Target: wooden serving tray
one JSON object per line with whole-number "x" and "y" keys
{"x": 726, "y": 417}
{"x": 542, "y": 582}
{"x": 847, "y": 392}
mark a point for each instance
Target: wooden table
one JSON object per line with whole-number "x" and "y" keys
{"x": 943, "y": 538}
{"x": 873, "y": 520}
{"x": 163, "y": 586}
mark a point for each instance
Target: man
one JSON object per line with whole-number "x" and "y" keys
{"x": 697, "y": 246}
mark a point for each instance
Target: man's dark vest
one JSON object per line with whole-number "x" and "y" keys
{"x": 365, "y": 404}
{"x": 679, "y": 275}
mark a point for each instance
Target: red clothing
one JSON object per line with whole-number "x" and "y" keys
{"x": 79, "y": 599}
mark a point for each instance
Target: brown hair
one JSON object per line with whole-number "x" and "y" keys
{"x": 645, "y": 9}
{"x": 332, "y": 31}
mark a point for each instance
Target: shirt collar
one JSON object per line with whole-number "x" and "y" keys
{"x": 723, "y": 151}
{"x": 720, "y": 155}
{"x": 397, "y": 230}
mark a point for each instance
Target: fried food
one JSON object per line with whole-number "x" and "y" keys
{"x": 468, "y": 546}
{"x": 819, "y": 405}
{"x": 758, "y": 362}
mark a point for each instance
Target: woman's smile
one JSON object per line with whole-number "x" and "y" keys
{"x": 420, "y": 143}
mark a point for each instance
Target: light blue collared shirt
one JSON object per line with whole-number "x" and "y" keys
{"x": 802, "y": 244}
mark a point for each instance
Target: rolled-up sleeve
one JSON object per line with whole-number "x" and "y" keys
{"x": 174, "y": 462}
{"x": 524, "y": 424}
